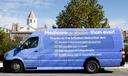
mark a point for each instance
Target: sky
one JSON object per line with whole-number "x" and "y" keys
{"x": 117, "y": 12}
{"x": 16, "y": 11}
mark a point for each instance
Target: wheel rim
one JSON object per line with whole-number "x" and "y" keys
{"x": 16, "y": 67}
{"x": 92, "y": 67}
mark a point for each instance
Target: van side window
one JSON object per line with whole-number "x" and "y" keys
{"x": 30, "y": 43}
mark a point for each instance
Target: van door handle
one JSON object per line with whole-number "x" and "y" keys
{"x": 35, "y": 51}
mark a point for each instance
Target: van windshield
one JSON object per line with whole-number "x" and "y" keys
{"x": 30, "y": 43}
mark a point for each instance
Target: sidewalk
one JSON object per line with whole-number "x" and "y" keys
{"x": 122, "y": 67}
{"x": 1, "y": 64}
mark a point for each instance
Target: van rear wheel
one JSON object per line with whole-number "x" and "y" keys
{"x": 17, "y": 67}
{"x": 92, "y": 66}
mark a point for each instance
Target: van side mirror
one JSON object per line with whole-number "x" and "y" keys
{"x": 21, "y": 42}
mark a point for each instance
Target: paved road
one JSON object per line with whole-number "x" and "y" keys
{"x": 108, "y": 72}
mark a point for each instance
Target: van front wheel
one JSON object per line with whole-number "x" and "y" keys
{"x": 92, "y": 66}
{"x": 17, "y": 66}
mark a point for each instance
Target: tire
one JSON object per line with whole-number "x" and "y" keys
{"x": 92, "y": 66}
{"x": 17, "y": 67}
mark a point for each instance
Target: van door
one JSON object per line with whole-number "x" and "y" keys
{"x": 29, "y": 51}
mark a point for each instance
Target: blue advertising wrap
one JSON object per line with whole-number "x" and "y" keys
{"x": 69, "y": 49}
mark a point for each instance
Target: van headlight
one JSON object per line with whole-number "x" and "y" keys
{"x": 5, "y": 55}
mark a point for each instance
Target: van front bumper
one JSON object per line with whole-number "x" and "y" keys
{"x": 7, "y": 64}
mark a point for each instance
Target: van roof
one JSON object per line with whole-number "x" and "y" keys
{"x": 39, "y": 32}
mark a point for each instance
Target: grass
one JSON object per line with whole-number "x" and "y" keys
{"x": 1, "y": 61}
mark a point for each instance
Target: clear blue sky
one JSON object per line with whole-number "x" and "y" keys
{"x": 117, "y": 12}
{"x": 12, "y": 11}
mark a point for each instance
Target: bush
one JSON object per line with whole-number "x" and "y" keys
{"x": 126, "y": 53}
{"x": 126, "y": 48}
{"x": 6, "y": 43}
{"x": 4, "y": 40}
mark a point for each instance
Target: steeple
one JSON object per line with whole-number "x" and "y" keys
{"x": 31, "y": 15}
{"x": 32, "y": 20}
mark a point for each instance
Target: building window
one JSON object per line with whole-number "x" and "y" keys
{"x": 30, "y": 20}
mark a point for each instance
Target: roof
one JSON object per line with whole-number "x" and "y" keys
{"x": 31, "y": 15}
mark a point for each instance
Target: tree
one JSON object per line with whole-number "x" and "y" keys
{"x": 54, "y": 26}
{"x": 4, "y": 40}
{"x": 82, "y": 14}
{"x": 6, "y": 43}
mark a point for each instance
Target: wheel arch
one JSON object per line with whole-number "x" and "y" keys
{"x": 19, "y": 61}
{"x": 91, "y": 58}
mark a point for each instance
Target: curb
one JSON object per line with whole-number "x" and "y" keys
{"x": 1, "y": 64}
{"x": 122, "y": 67}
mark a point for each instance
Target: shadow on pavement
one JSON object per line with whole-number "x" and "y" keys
{"x": 59, "y": 71}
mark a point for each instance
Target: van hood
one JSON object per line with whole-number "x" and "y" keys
{"x": 9, "y": 54}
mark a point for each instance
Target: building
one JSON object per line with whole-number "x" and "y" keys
{"x": 32, "y": 20}
{"x": 24, "y": 31}
{"x": 5, "y": 29}
{"x": 31, "y": 24}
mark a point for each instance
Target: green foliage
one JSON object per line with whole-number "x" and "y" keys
{"x": 82, "y": 14}
{"x": 4, "y": 40}
{"x": 54, "y": 26}
{"x": 126, "y": 48}
{"x": 6, "y": 43}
